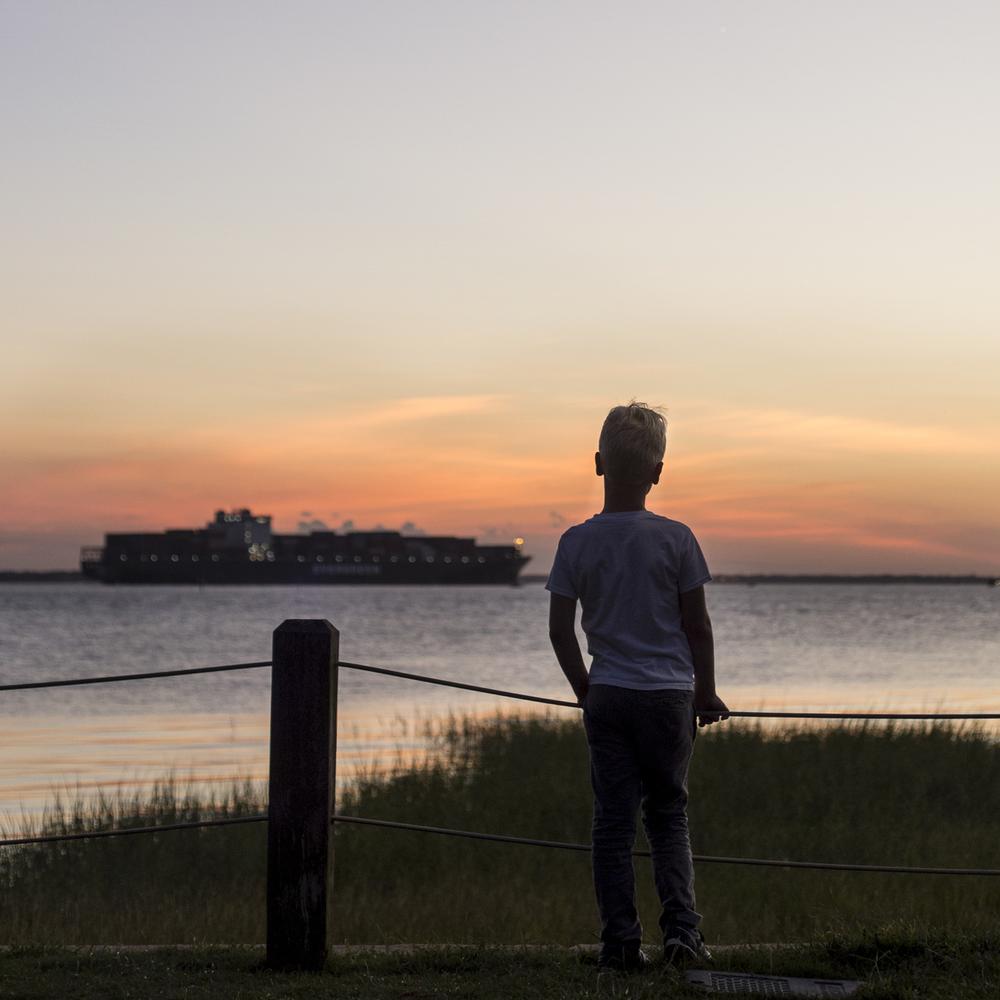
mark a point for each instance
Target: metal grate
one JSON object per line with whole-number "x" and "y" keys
{"x": 771, "y": 986}
{"x": 724, "y": 983}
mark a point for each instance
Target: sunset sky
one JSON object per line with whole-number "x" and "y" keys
{"x": 393, "y": 262}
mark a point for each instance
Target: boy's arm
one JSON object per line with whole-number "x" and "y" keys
{"x": 697, "y": 626}
{"x": 562, "y": 635}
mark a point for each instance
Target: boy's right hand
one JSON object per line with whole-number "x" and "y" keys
{"x": 710, "y": 708}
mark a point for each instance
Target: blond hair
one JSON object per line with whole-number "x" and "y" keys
{"x": 633, "y": 441}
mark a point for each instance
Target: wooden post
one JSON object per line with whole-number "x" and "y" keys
{"x": 301, "y": 793}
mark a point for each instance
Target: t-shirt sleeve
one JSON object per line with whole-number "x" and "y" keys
{"x": 693, "y": 570}
{"x": 561, "y": 575}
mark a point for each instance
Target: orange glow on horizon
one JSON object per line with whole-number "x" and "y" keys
{"x": 794, "y": 488}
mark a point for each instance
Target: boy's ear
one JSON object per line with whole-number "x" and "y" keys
{"x": 657, "y": 472}
{"x": 598, "y": 468}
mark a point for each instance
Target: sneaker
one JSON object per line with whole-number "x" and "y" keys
{"x": 682, "y": 946}
{"x": 627, "y": 957}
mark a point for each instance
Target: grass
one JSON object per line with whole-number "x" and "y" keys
{"x": 893, "y": 964}
{"x": 892, "y": 794}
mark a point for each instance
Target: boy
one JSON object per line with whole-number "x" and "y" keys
{"x": 640, "y": 581}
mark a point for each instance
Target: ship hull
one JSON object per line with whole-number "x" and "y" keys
{"x": 316, "y": 574}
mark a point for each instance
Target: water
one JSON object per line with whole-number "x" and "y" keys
{"x": 837, "y": 646}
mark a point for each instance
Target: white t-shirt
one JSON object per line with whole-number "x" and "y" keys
{"x": 628, "y": 570}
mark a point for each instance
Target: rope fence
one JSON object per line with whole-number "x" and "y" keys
{"x": 497, "y": 692}
{"x": 498, "y": 838}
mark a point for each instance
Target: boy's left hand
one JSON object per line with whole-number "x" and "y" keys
{"x": 710, "y": 709}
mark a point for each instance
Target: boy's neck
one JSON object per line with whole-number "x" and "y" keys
{"x": 622, "y": 497}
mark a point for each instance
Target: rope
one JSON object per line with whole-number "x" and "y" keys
{"x": 704, "y": 858}
{"x": 496, "y": 838}
{"x": 500, "y": 692}
{"x": 456, "y": 684}
{"x": 865, "y": 715}
{"x": 129, "y": 831}
{"x": 107, "y": 679}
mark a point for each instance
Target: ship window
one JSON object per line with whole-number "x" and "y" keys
{"x": 302, "y": 558}
{"x": 319, "y": 558}
{"x": 481, "y": 559}
{"x": 270, "y": 556}
{"x": 376, "y": 558}
{"x": 123, "y": 557}
{"x": 412, "y": 559}
{"x": 465, "y": 559}
{"x": 357, "y": 558}
{"x": 215, "y": 557}
{"x": 153, "y": 557}
{"x": 430, "y": 558}
{"x": 447, "y": 559}
{"x": 175, "y": 558}
{"x": 340, "y": 558}
{"x": 393, "y": 558}
{"x": 194, "y": 558}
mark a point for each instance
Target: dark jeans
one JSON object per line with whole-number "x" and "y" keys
{"x": 640, "y": 748}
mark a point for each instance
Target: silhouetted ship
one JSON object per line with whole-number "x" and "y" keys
{"x": 239, "y": 547}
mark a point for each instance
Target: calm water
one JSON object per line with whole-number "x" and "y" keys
{"x": 817, "y": 646}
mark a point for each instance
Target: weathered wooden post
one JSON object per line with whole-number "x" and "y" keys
{"x": 301, "y": 793}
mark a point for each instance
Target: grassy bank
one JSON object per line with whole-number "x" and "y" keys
{"x": 914, "y": 796}
{"x": 892, "y": 965}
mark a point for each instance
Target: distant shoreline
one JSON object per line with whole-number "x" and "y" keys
{"x": 747, "y": 579}
{"x": 40, "y": 576}
{"x": 752, "y": 579}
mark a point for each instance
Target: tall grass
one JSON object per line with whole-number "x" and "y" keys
{"x": 174, "y": 887}
{"x": 912, "y": 795}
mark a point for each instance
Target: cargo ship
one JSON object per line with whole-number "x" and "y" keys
{"x": 239, "y": 547}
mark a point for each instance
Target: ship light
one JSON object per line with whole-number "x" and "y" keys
{"x": 519, "y": 541}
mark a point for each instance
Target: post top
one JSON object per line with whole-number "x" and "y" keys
{"x": 307, "y": 626}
